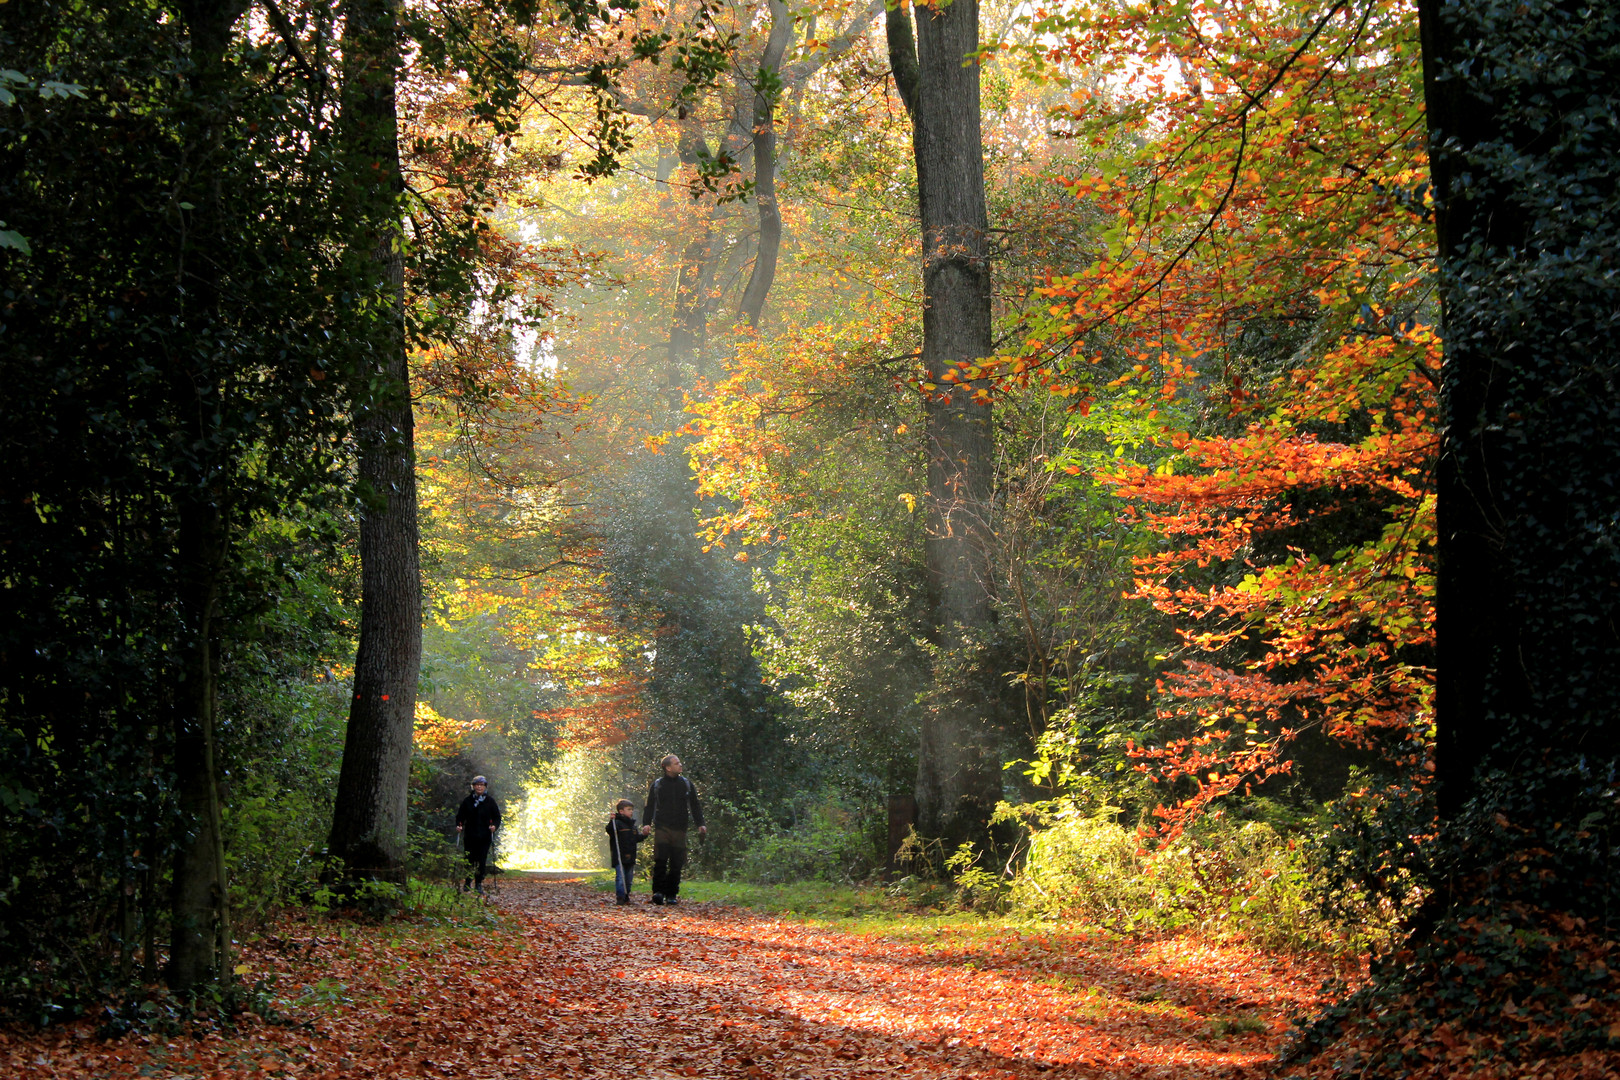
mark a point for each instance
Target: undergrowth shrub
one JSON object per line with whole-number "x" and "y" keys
{"x": 1225, "y": 878}
{"x": 1509, "y": 969}
{"x": 831, "y": 842}
{"x": 273, "y": 840}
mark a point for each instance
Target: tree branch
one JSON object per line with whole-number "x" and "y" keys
{"x": 903, "y": 55}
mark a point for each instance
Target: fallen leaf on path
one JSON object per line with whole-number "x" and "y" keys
{"x": 571, "y": 985}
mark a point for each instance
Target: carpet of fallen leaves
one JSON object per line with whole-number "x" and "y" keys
{"x": 568, "y": 985}
{"x": 1527, "y": 994}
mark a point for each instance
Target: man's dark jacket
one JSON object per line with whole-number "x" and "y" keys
{"x": 671, "y": 803}
{"x": 477, "y": 814}
{"x": 623, "y": 836}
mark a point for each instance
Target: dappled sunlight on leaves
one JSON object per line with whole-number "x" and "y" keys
{"x": 568, "y": 984}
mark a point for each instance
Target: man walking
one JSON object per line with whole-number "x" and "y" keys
{"x": 672, "y": 803}
{"x": 477, "y": 821}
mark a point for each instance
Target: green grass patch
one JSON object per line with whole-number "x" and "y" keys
{"x": 1241, "y": 1024}
{"x": 879, "y": 912}
{"x": 811, "y": 900}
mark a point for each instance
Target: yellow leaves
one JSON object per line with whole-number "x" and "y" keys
{"x": 442, "y": 736}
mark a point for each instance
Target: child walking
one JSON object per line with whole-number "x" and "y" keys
{"x": 623, "y": 836}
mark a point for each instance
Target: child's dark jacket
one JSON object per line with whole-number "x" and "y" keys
{"x": 623, "y": 836}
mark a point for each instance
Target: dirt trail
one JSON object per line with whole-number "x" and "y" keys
{"x": 569, "y": 986}
{"x": 710, "y": 991}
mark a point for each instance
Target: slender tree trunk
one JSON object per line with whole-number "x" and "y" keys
{"x": 690, "y": 321}
{"x": 694, "y": 283}
{"x": 200, "y": 934}
{"x": 200, "y": 927}
{"x": 763, "y": 275}
{"x": 958, "y": 771}
{"x": 369, "y": 816}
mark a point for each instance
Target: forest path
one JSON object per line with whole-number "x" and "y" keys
{"x": 710, "y": 991}
{"x": 567, "y": 985}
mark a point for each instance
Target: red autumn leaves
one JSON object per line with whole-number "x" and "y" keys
{"x": 567, "y": 985}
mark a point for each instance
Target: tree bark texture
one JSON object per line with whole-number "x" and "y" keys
{"x": 369, "y": 815}
{"x": 769, "y": 249}
{"x": 1520, "y": 100}
{"x": 958, "y": 769}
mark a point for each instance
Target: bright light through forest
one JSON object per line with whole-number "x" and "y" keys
{"x": 810, "y": 538}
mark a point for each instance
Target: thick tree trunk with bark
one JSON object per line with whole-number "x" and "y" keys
{"x": 369, "y": 817}
{"x": 1520, "y": 104}
{"x": 958, "y": 771}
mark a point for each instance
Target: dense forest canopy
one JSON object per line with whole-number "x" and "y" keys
{"x": 1146, "y": 462}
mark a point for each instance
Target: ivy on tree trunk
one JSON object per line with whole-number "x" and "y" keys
{"x": 1521, "y": 107}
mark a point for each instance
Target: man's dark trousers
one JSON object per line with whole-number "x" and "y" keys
{"x": 669, "y": 859}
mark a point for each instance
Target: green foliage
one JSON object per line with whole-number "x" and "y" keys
{"x": 831, "y": 841}
{"x": 977, "y": 886}
{"x": 1087, "y": 656}
{"x": 707, "y": 700}
{"x": 158, "y": 341}
{"x": 842, "y": 637}
{"x": 1225, "y": 878}
{"x": 443, "y": 903}
{"x": 281, "y": 724}
{"x": 273, "y": 838}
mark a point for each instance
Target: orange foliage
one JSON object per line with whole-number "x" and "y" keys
{"x": 440, "y": 736}
{"x": 1277, "y": 199}
{"x": 754, "y": 449}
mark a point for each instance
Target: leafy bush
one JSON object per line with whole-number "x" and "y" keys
{"x": 285, "y": 736}
{"x": 1509, "y": 963}
{"x": 273, "y": 841}
{"x": 1225, "y": 878}
{"x": 832, "y": 842}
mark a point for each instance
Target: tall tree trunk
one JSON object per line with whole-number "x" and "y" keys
{"x": 1520, "y": 101}
{"x": 958, "y": 771}
{"x": 200, "y": 935}
{"x": 766, "y": 92}
{"x": 369, "y": 815}
{"x": 199, "y": 917}
{"x": 689, "y": 323}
